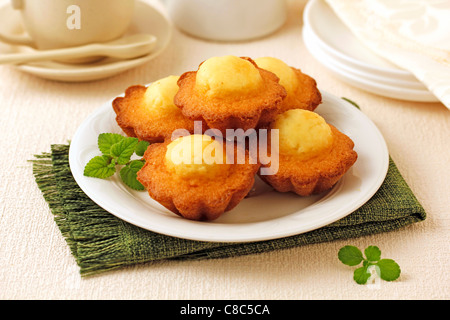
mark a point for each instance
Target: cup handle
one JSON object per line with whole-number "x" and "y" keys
{"x": 17, "y": 40}
{"x": 17, "y": 4}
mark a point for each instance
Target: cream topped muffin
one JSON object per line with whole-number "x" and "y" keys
{"x": 196, "y": 156}
{"x": 302, "y": 91}
{"x": 227, "y": 76}
{"x": 193, "y": 176}
{"x": 230, "y": 92}
{"x": 313, "y": 155}
{"x": 149, "y": 113}
{"x": 287, "y": 75}
{"x": 158, "y": 97}
{"x": 303, "y": 134}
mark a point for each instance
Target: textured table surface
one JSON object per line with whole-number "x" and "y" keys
{"x": 36, "y": 263}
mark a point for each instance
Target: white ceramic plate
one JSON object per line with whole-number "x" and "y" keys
{"x": 360, "y": 72}
{"x": 147, "y": 19}
{"x": 395, "y": 89}
{"x": 337, "y": 39}
{"x": 266, "y": 214}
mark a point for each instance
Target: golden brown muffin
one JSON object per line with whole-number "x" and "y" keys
{"x": 312, "y": 155}
{"x": 302, "y": 91}
{"x": 149, "y": 113}
{"x": 230, "y": 92}
{"x": 192, "y": 176}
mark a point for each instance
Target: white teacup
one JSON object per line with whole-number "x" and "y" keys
{"x": 227, "y": 20}
{"x": 66, "y": 23}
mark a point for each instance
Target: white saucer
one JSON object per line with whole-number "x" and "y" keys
{"x": 335, "y": 47}
{"x": 339, "y": 41}
{"x": 391, "y": 88}
{"x": 147, "y": 19}
{"x": 407, "y": 80}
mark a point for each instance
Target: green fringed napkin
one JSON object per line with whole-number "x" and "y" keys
{"x": 99, "y": 241}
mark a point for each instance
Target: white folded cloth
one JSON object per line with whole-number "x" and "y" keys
{"x": 413, "y": 34}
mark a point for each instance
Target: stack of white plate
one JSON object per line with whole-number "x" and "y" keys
{"x": 335, "y": 47}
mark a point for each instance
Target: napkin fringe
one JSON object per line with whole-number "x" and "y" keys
{"x": 94, "y": 238}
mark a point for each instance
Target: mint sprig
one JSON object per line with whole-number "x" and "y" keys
{"x": 129, "y": 174}
{"x": 388, "y": 269}
{"x": 101, "y": 167}
{"x": 117, "y": 150}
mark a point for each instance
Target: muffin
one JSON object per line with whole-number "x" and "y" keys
{"x": 149, "y": 113}
{"x": 194, "y": 176}
{"x": 302, "y": 91}
{"x": 312, "y": 154}
{"x": 230, "y": 92}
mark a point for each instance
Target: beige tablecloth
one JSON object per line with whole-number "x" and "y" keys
{"x": 36, "y": 263}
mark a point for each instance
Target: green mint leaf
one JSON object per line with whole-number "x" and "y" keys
{"x": 100, "y": 167}
{"x": 373, "y": 253}
{"x": 124, "y": 149}
{"x": 350, "y": 255}
{"x": 361, "y": 275}
{"x": 389, "y": 269}
{"x": 129, "y": 174}
{"x": 141, "y": 147}
{"x": 106, "y": 140}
